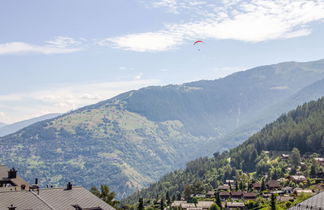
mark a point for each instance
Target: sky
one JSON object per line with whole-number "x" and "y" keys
{"x": 57, "y": 56}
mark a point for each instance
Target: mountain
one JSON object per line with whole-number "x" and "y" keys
{"x": 12, "y": 128}
{"x": 302, "y": 128}
{"x": 2, "y": 124}
{"x": 129, "y": 141}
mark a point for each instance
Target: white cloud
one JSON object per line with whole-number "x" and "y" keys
{"x": 249, "y": 21}
{"x": 159, "y": 41}
{"x": 61, "y": 45}
{"x": 139, "y": 76}
{"x": 63, "y": 98}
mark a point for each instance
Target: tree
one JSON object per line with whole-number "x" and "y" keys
{"x": 214, "y": 207}
{"x": 218, "y": 200}
{"x": 263, "y": 185}
{"x": 105, "y": 195}
{"x": 273, "y": 202}
{"x": 295, "y": 156}
{"x": 162, "y": 204}
{"x": 140, "y": 204}
{"x": 168, "y": 199}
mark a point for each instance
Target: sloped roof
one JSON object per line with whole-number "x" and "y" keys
{"x": 52, "y": 199}
{"x": 315, "y": 202}
{"x": 18, "y": 181}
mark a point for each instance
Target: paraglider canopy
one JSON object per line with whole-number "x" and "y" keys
{"x": 198, "y": 41}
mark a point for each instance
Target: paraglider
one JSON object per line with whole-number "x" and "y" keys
{"x": 198, "y": 42}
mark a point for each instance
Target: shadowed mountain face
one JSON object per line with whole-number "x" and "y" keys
{"x": 12, "y": 128}
{"x": 301, "y": 128}
{"x": 132, "y": 139}
{"x": 2, "y": 124}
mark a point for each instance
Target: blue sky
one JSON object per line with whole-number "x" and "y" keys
{"x": 56, "y": 56}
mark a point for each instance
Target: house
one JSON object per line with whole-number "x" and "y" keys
{"x": 223, "y": 187}
{"x": 10, "y": 178}
{"x": 236, "y": 195}
{"x": 230, "y": 182}
{"x": 202, "y": 205}
{"x": 299, "y": 191}
{"x": 205, "y": 205}
{"x": 249, "y": 196}
{"x": 74, "y": 198}
{"x": 256, "y": 186}
{"x": 273, "y": 185}
{"x": 210, "y": 194}
{"x": 234, "y": 205}
{"x": 16, "y": 193}
{"x": 224, "y": 195}
{"x": 297, "y": 178}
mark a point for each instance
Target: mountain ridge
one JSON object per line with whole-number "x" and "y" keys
{"x": 137, "y": 136}
{"x": 14, "y": 127}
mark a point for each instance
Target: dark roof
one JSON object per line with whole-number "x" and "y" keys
{"x": 273, "y": 184}
{"x": 52, "y": 199}
{"x": 315, "y": 202}
{"x": 249, "y": 195}
{"x": 224, "y": 194}
{"x": 238, "y": 193}
{"x": 256, "y": 185}
{"x": 224, "y": 187}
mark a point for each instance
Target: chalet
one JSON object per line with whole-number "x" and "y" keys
{"x": 205, "y": 205}
{"x": 249, "y": 196}
{"x": 230, "y": 182}
{"x": 273, "y": 185}
{"x": 10, "y": 178}
{"x": 76, "y": 198}
{"x": 224, "y": 195}
{"x": 202, "y": 205}
{"x": 256, "y": 186}
{"x": 210, "y": 194}
{"x": 187, "y": 205}
{"x": 224, "y": 187}
{"x": 16, "y": 193}
{"x": 234, "y": 205}
{"x": 297, "y": 178}
{"x": 299, "y": 191}
{"x": 236, "y": 195}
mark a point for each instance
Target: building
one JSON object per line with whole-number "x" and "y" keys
{"x": 224, "y": 187}
{"x": 315, "y": 202}
{"x": 273, "y": 185}
{"x": 256, "y": 186}
{"x": 10, "y": 178}
{"x": 236, "y": 195}
{"x": 224, "y": 195}
{"x": 17, "y": 194}
{"x": 297, "y": 178}
{"x": 234, "y": 205}
{"x": 249, "y": 196}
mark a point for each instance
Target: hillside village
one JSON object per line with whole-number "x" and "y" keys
{"x": 294, "y": 185}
